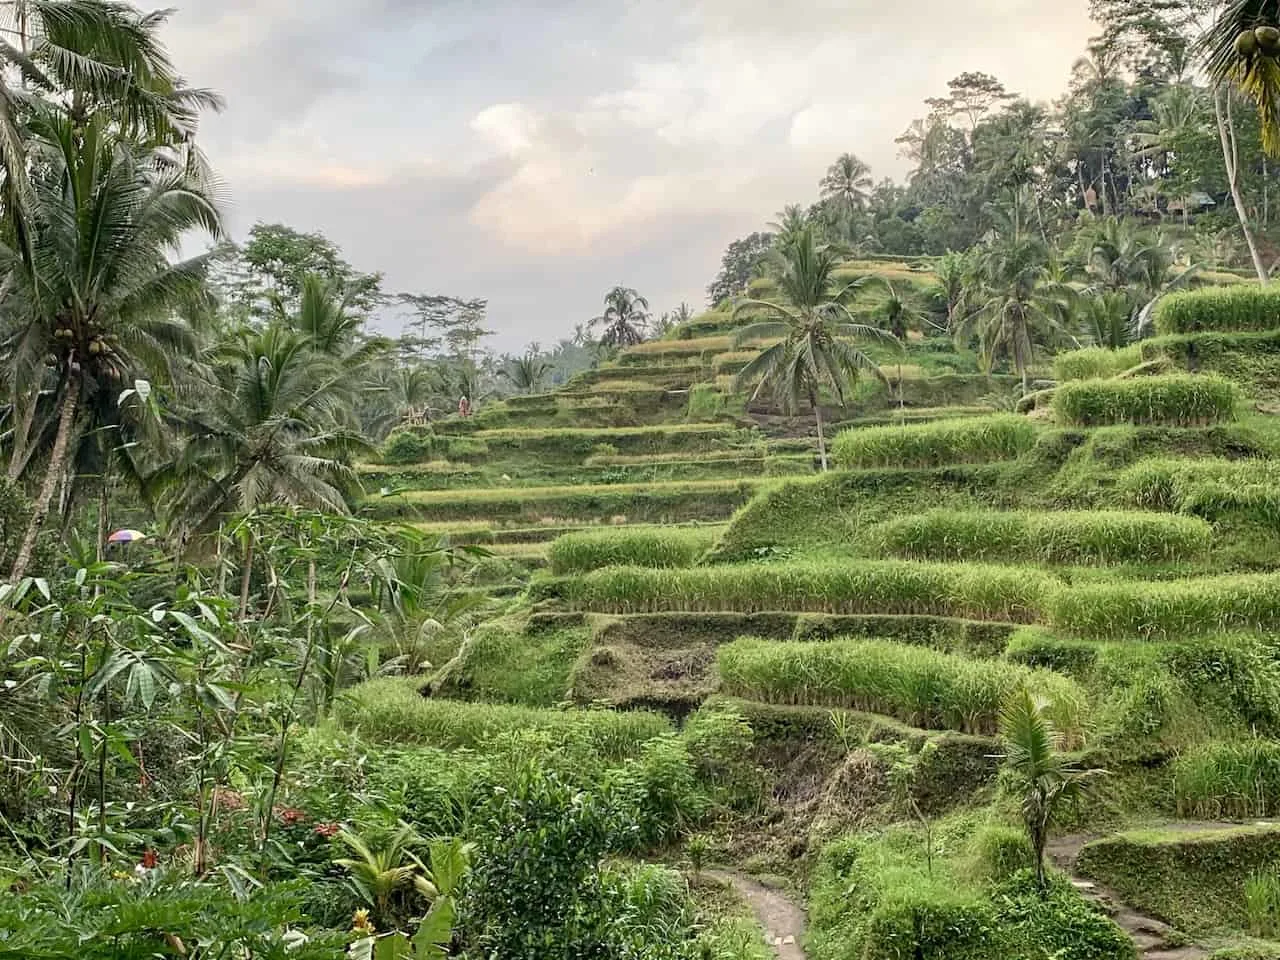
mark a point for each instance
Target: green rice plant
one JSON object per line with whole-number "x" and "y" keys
{"x": 1208, "y": 487}
{"x": 1181, "y": 399}
{"x": 1167, "y": 610}
{"x": 1262, "y": 903}
{"x": 970, "y": 440}
{"x": 1064, "y": 538}
{"x": 1093, "y": 363}
{"x": 676, "y": 348}
{"x": 889, "y": 586}
{"x": 1237, "y": 781}
{"x": 621, "y": 546}
{"x": 919, "y": 686}
{"x": 733, "y": 361}
{"x": 745, "y": 455}
{"x": 391, "y": 710}
{"x": 1244, "y": 307}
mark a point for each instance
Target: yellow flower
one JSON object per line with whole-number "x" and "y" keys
{"x": 360, "y": 923}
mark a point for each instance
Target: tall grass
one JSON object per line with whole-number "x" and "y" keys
{"x": 1097, "y": 537}
{"x": 971, "y": 440}
{"x": 580, "y": 552}
{"x": 1262, "y": 903}
{"x": 916, "y": 685}
{"x": 1236, "y": 781}
{"x": 1174, "y": 400}
{"x": 890, "y": 586}
{"x": 1095, "y": 362}
{"x": 391, "y": 710}
{"x": 1167, "y": 610}
{"x": 1245, "y": 307}
{"x": 1207, "y": 487}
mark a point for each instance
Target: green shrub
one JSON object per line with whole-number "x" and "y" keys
{"x": 1066, "y": 538}
{"x": 651, "y": 547}
{"x": 1229, "y": 780}
{"x": 920, "y": 687}
{"x": 1095, "y": 362}
{"x": 889, "y": 586}
{"x": 392, "y": 710}
{"x": 1178, "y": 399}
{"x": 406, "y": 446}
{"x": 970, "y": 440}
{"x": 1001, "y": 851}
{"x": 706, "y": 402}
{"x": 1245, "y": 307}
{"x": 1169, "y": 609}
{"x": 1034, "y": 647}
{"x": 1194, "y": 878}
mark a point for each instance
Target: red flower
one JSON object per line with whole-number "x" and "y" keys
{"x": 291, "y": 815}
{"x": 149, "y": 859}
{"x": 328, "y": 829}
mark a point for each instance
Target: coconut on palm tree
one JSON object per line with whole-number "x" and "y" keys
{"x": 89, "y": 296}
{"x": 815, "y": 334}
{"x": 1020, "y": 303}
{"x": 624, "y": 318}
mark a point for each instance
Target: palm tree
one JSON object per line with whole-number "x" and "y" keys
{"x": 89, "y": 295}
{"x": 1041, "y": 774}
{"x": 1020, "y": 302}
{"x": 324, "y": 315}
{"x": 625, "y": 315}
{"x": 526, "y": 373}
{"x": 846, "y": 188}
{"x": 1236, "y": 54}
{"x": 953, "y": 271}
{"x": 1176, "y": 117}
{"x": 814, "y": 327}
{"x": 267, "y": 426}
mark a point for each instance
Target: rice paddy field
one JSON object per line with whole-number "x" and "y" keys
{"x": 836, "y": 648}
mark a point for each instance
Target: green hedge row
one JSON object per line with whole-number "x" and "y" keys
{"x": 1210, "y": 487}
{"x": 1176, "y": 400}
{"x": 391, "y": 710}
{"x": 655, "y": 547}
{"x": 1093, "y": 363}
{"x": 889, "y": 586}
{"x": 971, "y": 440}
{"x": 918, "y": 686}
{"x": 1068, "y": 538}
{"x": 1244, "y": 307}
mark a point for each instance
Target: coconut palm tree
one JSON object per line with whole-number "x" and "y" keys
{"x": 1239, "y": 49}
{"x": 953, "y": 271}
{"x": 1020, "y": 301}
{"x": 267, "y": 425}
{"x": 624, "y": 318}
{"x": 846, "y": 188}
{"x": 89, "y": 294}
{"x": 814, "y": 330}
{"x": 1045, "y": 779}
{"x": 526, "y": 373}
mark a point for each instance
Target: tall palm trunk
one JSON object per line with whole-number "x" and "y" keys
{"x": 1231, "y": 160}
{"x": 822, "y": 440}
{"x": 53, "y": 472}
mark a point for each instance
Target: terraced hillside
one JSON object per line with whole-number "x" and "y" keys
{"x": 1112, "y": 551}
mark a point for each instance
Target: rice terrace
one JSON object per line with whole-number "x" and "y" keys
{"x": 915, "y": 598}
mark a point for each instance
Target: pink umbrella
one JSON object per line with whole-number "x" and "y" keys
{"x": 126, "y": 536}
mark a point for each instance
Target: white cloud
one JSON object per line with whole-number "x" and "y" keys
{"x": 510, "y": 127}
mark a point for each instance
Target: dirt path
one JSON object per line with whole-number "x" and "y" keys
{"x": 781, "y": 918}
{"x": 1150, "y": 936}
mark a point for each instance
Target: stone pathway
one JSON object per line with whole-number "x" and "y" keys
{"x": 781, "y": 918}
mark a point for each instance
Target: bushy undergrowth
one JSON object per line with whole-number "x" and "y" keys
{"x": 652, "y": 547}
{"x": 971, "y": 440}
{"x": 1095, "y": 362}
{"x": 393, "y": 711}
{"x": 1048, "y": 537}
{"x": 1243, "y": 307}
{"x": 1175, "y": 400}
{"x": 1238, "y": 780}
{"x": 1169, "y": 609}
{"x": 889, "y": 586}
{"x": 921, "y": 687}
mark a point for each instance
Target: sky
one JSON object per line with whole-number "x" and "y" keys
{"x": 539, "y": 152}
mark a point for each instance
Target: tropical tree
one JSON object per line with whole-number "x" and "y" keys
{"x": 267, "y": 425}
{"x": 846, "y": 190}
{"x": 526, "y": 373}
{"x": 814, "y": 329}
{"x": 1040, "y": 774}
{"x": 1019, "y": 302}
{"x": 953, "y": 271}
{"x": 89, "y": 294}
{"x": 624, "y": 318}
